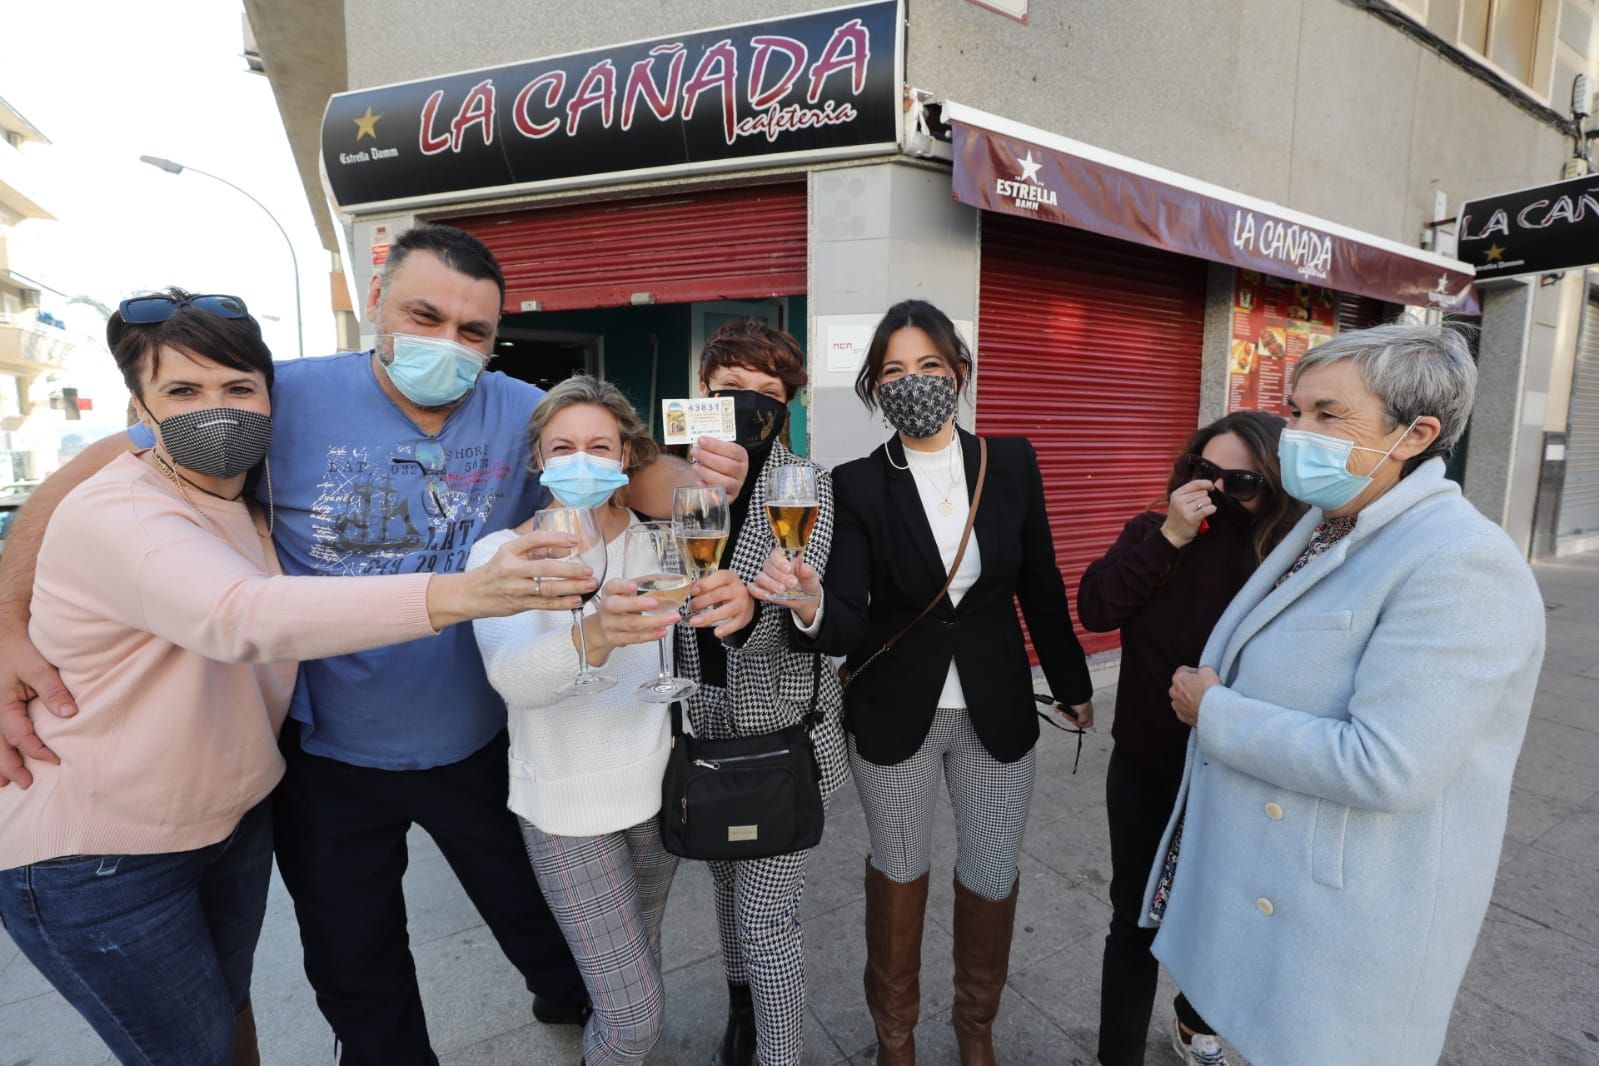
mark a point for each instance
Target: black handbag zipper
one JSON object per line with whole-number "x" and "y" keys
{"x": 716, "y": 764}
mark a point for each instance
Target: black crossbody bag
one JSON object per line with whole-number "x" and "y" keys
{"x": 744, "y": 797}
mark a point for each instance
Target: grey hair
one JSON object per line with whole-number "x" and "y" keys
{"x": 584, "y": 389}
{"x": 1414, "y": 370}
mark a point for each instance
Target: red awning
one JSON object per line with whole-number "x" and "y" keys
{"x": 1005, "y": 166}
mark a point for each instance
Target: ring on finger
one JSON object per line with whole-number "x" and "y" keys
{"x": 538, "y": 586}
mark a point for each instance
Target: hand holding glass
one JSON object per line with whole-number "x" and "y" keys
{"x": 791, "y": 507}
{"x": 700, "y": 515}
{"x": 652, "y": 561}
{"x": 582, "y": 523}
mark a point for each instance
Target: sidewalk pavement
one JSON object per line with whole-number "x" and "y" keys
{"x": 1529, "y": 996}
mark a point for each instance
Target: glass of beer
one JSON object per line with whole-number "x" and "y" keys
{"x": 652, "y": 561}
{"x": 791, "y": 508}
{"x": 582, "y": 523}
{"x": 700, "y": 514}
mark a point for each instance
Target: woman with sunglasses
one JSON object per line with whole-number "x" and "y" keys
{"x": 1164, "y": 584}
{"x": 133, "y": 874}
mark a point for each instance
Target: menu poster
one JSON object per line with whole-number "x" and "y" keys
{"x": 1274, "y": 323}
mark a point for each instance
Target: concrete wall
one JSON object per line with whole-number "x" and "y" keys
{"x": 1502, "y": 448}
{"x": 1309, "y": 103}
{"x": 880, "y": 233}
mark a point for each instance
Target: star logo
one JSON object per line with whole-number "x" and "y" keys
{"x": 1443, "y": 283}
{"x": 366, "y": 125}
{"x": 1030, "y": 168}
{"x": 1494, "y": 253}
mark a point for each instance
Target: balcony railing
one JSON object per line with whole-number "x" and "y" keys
{"x": 26, "y": 342}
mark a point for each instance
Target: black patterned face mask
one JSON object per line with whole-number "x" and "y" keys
{"x": 918, "y": 405}
{"x": 218, "y": 442}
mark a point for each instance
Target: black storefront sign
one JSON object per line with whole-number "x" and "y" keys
{"x": 816, "y": 85}
{"x": 1533, "y": 231}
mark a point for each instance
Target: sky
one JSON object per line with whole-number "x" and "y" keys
{"x": 108, "y": 81}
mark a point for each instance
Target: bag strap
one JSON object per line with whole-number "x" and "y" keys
{"x": 810, "y": 720}
{"x": 960, "y": 553}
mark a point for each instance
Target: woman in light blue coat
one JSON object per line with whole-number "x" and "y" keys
{"x": 1356, "y": 721}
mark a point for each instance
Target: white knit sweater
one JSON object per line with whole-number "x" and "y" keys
{"x": 580, "y": 765}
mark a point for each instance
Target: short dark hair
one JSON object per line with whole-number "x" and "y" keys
{"x": 930, "y": 320}
{"x": 459, "y": 250}
{"x": 754, "y": 345}
{"x": 232, "y": 342}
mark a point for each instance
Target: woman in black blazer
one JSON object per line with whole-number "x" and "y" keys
{"x": 955, "y": 693}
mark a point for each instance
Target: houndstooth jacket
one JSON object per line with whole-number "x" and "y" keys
{"x": 769, "y": 681}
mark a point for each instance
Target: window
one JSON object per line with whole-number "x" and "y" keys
{"x": 1515, "y": 38}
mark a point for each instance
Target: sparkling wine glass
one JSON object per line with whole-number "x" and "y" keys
{"x": 791, "y": 507}
{"x": 584, "y": 524}
{"x": 700, "y": 514}
{"x": 652, "y": 561}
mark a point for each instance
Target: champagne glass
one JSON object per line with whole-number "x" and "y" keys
{"x": 700, "y": 514}
{"x": 791, "y": 507}
{"x": 652, "y": 561}
{"x": 584, "y": 524}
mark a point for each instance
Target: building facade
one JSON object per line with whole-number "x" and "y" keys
{"x": 1139, "y": 212}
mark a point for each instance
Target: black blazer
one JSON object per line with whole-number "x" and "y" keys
{"x": 885, "y": 567}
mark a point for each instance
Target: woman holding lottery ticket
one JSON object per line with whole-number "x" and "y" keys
{"x": 752, "y": 680}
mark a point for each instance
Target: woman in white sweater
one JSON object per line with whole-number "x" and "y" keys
{"x": 586, "y": 769}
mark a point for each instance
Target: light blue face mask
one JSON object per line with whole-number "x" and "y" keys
{"x": 433, "y": 371}
{"x": 1315, "y": 467}
{"x": 579, "y": 479}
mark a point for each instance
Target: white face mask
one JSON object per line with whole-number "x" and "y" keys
{"x": 1315, "y": 467}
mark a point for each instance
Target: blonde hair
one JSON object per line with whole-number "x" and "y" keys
{"x": 638, "y": 446}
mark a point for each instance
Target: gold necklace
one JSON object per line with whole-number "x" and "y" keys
{"x": 947, "y": 506}
{"x": 181, "y": 482}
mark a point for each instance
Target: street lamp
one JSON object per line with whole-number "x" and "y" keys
{"x": 178, "y": 168}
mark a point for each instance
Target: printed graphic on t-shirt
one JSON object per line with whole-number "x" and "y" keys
{"x": 417, "y": 508}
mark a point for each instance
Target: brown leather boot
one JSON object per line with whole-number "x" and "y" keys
{"x": 894, "y": 914}
{"x": 983, "y": 930}
{"x": 245, "y": 1051}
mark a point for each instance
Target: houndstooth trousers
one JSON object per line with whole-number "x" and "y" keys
{"x": 991, "y": 800}
{"x": 608, "y": 894}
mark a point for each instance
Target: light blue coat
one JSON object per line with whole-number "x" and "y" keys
{"x": 1347, "y": 785}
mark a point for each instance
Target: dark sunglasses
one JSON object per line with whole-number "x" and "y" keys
{"x": 1241, "y": 485}
{"x": 1049, "y": 701}
{"x": 148, "y": 310}
{"x": 429, "y": 459}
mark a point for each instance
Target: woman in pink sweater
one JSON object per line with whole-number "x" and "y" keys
{"x": 134, "y": 873}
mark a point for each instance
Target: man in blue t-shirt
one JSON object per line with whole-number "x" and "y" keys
{"x": 391, "y": 461}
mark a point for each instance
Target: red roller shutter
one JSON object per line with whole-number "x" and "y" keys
{"x": 727, "y": 244}
{"x": 1089, "y": 347}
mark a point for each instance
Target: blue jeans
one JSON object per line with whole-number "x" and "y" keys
{"x": 155, "y": 951}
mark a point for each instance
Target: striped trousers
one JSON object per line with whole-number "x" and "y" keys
{"x": 608, "y": 894}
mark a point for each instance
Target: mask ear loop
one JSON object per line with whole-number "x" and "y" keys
{"x": 272, "y": 511}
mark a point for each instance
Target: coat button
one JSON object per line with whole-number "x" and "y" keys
{"x": 1274, "y": 812}
{"x": 1265, "y": 906}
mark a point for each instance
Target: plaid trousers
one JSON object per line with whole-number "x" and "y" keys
{"x": 608, "y": 894}
{"x": 991, "y": 800}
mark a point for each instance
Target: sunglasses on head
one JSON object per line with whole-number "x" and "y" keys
{"x": 148, "y": 310}
{"x": 1241, "y": 485}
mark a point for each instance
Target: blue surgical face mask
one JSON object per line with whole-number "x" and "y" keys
{"x": 433, "y": 371}
{"x": 579, "y": 479}
{"x": 1315, "y": 467}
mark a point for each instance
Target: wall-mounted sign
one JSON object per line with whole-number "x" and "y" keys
{"x": 1534, "y": 231}
{"x": 819, "y": 85}
{"x": 1004, "y": 166}
{"x": 1274, "y": 323}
